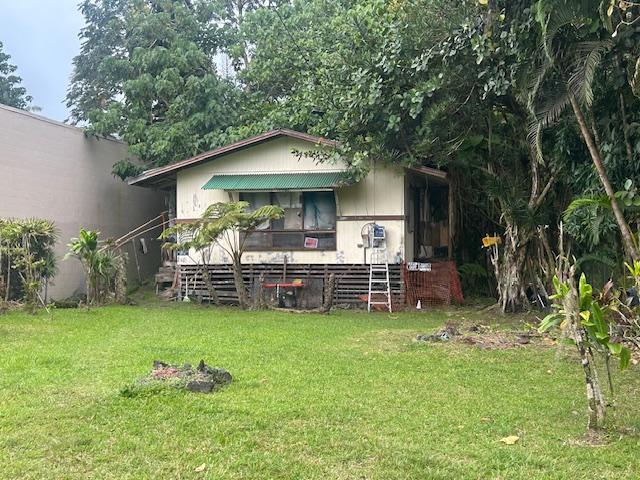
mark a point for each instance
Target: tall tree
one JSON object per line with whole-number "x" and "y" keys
{"x": 12, "y": 92}
{"x": 146, "y": 73}
{"x": 574, "y": 47}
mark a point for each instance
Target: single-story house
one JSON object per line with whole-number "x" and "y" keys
{"x": 325, "y": 214}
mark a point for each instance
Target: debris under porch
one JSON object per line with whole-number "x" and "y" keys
{"x": 302, "y": 286}
{"x": 352, "y": 283}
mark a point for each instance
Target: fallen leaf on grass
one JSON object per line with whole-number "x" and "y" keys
{"x": 201, "y": 468}
{"x": 510, "y": 440}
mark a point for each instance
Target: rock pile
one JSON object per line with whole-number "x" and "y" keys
{"x": 203, "y": 378}
{"x": 447, "y": 333}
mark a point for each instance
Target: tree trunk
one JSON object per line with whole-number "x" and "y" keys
{"x": 238, "y": 280}
{"x": 509, "y": 266}
{"x": 89, "y": 281}
{"x": 595, "y": 398}
{"x": 329, "y": 290}
{"x": 8, "y": 286}
{"x": 625, "y": 230}
{"x": 213, "y": 295}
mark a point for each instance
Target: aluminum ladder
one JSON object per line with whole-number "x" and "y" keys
{"x": 379, "y": 284}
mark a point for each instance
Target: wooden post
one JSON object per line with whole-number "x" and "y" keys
{"x": 451, "y": 220}
{"x": 135, "y": 255}
{"x": 284, "y": 270}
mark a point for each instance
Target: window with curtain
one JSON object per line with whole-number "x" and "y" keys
{"x": 309, "y": 221}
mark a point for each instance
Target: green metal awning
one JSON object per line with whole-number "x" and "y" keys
{"x": 278, "y": 181}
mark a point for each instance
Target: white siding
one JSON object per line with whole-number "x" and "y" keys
{"x": 380, "y": 193}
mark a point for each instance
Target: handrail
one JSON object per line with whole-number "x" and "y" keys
{"x": 142, "y": 229}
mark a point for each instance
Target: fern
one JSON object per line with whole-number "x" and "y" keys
{"x": 584, "y": 202}
{"x": 596, "y": 258}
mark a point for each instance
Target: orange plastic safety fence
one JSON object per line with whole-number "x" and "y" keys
{"x": 437, "y": 283}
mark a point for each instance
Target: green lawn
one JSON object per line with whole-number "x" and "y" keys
{"x": 348, "y": 395}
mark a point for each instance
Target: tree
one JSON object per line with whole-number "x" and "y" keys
{"x": 228, "y": 225}
{"x": 199, "y": 237}
{"x": 587, "y": 321}
{"x": 11, "y": 91}
{"x": 234, "y": 223}
{"x": 146, "y": 73}
{"x": 100, "y": 264}
{"x": 27, "y": 256}
{"x": 571, "y": 54}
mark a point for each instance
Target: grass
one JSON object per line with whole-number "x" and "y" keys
{"x": 348, "y": 395}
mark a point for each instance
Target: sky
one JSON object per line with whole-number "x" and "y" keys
{"x": 42, "y": 38}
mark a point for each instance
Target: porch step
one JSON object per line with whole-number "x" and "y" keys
{"x": 165, "y": 279}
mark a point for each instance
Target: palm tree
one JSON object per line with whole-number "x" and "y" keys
{"x": 570, "y": 56}
{"x": 227, "y": 225}
{"x": 85, "y": 249}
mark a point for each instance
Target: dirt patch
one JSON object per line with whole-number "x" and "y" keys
{"x": 591, "y": 438}
{"x": 482, "y": 336}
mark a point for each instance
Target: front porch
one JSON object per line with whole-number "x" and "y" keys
{"x": 439, "y": 285}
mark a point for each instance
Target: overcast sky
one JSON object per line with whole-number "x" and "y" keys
{"x": 42, "y": 38}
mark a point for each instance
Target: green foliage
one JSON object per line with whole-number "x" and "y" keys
{"x": 27, "y": 259}
{"x": 100, "y": 264}
{"x": 12, "y": 93}
{"x": 473, "y": 277}
{"x": 227, "y": 225}
{"x": 593, "y": 317}
{"x": 146, "y": 73}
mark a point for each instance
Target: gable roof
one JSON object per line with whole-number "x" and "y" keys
{"x": 164, "y": 176}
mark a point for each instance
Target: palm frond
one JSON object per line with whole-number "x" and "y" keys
{"x": 634, "y": 78}
{"x": 587, "y": 58}
{"x": 596, "y": 258}
{"x": 545, "y": 116}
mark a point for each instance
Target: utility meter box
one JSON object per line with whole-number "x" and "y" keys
{"x": 378, "y": 236}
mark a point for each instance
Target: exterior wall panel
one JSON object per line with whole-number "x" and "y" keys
{"x": 381, "y": 193}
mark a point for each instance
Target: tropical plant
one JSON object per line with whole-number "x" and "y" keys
{"x": 196, "y": 240}
{"x": 587, "y": 322}
{"x": 85, "y": 249}
{"x": 228, "y": 225}
{"x": 27, "y": 257}
{"x": 572, "y": 51}
{"x": 100, "y": 263}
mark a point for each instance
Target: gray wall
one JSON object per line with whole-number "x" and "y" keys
{"x": 52, "y": 171}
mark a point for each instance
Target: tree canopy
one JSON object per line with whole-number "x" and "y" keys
{"x": 12, "y": 93}
{"x": 530, "y": 105}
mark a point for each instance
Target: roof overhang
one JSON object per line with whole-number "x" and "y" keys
{"x": 165, "y": 177}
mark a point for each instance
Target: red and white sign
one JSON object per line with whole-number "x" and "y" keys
{"x": 310, "y": 242}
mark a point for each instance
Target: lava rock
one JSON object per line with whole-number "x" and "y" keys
{"x": 157, "y": 364}
{"x": 200, "y": 386}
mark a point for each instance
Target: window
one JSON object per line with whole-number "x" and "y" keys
{"x": 309, "y": 221}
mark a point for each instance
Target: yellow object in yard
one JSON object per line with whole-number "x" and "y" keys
{"x": 297, "y": 281}
{"x": 490, "y": 241}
